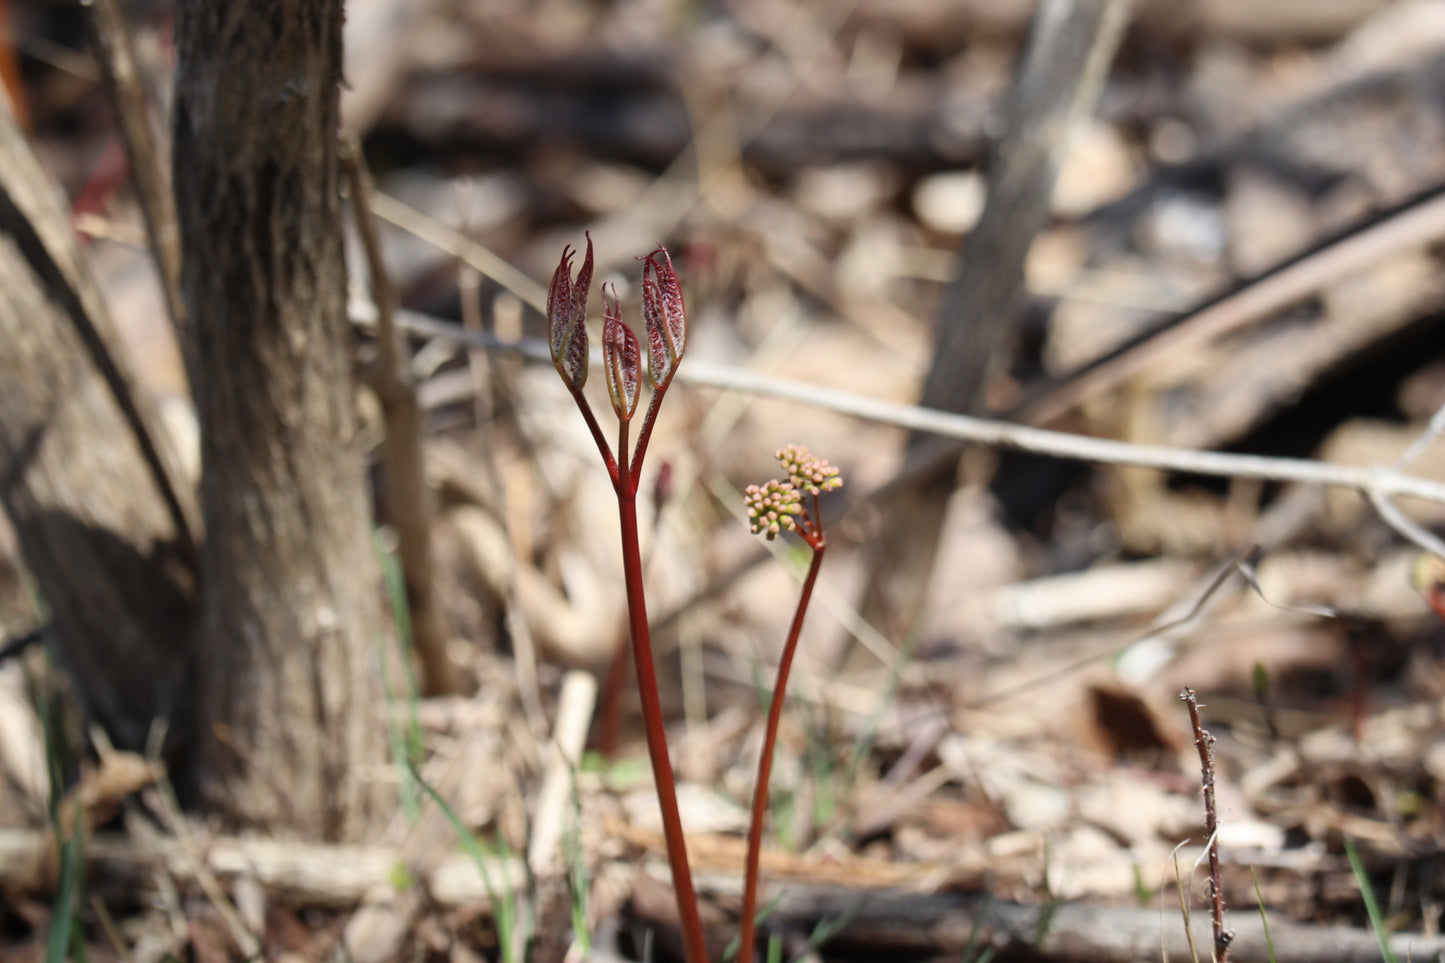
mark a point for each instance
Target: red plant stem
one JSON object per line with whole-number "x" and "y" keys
{"x": 694, "y": 946}
{"x": 597, "y": 436}
{"x": 765, "y": 762}
{"x": 625, "y": 481}
{"x": 645, "y": 435}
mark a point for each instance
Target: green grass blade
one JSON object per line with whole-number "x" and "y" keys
{"x": 65, "y": 940}
{"x": 970, "y": 949}
{"x": 735, "y": 944}
{"x": 830, "y": 926}
{"x": 1263, "y": 917}
{"x": 401, "y": 613}
{"x": 775, "y": 949}
{"x": 62, "y": 921}
{"x": 577, "y": 882}
{"x": 503, "y": 901}
{"x": 1047, "y": 910}
{"x": 406, "y": 746}
{"x": 1372, "y": 906}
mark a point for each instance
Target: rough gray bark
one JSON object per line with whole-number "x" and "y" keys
{"x": 288, "y": 695}
{"x": 100, "y": 513}
{"x": 1063, "y": 68}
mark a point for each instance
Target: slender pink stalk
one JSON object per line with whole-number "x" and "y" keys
{"x": 774, "y": 508}
{"x": 765, "y": 762}
{"x": 694, "y": 946}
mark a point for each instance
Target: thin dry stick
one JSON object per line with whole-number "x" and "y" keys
{"x": 459, "y": 246}
{"x": 1412, "y": 531}
{"x": 1204, "y": 742}
{"x": 408, "y": 499}
{"x": 569, "y": 737}
{"x": 116, "y": 53}
{"x": 1420, "y": 445}
{"x": 1405, "y": 526}
{"x": 194, "y": 860}
{"x": 112, "y": 932}
{"x": 999, "y": 434}
{"x": 524, "y": 648}
{"x": 39, "y": 224}
{"x": 1419, "y": 222}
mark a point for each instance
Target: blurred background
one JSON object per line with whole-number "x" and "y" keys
{"x": 1237, "y": 210}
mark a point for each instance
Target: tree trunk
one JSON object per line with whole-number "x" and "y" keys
{"x": 288, "y": 694}
{"x": 101, "y": 513}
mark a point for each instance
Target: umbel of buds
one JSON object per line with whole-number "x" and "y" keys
{"x": 771, "y": 507}
{"x": 789, "y": 504}
{"x": 778, "y": 506}
{"x": 807, "y": 471}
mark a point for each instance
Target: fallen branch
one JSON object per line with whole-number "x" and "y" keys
{"x": 316, "y": 874}
{"x": 1055, "y": 444}
{"x": 1414, "y": 224}
{"x": 408, "y": 499}
{"x": 882, "y": 922}
{"x": 893, "y": 924}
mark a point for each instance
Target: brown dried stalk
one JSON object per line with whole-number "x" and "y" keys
{"x": 1204, "y": 742}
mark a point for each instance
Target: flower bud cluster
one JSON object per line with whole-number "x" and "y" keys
{"x": 806, "y": 471}
{"x": 771, "y": 507}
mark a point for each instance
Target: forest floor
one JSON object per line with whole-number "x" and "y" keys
{"x": 1017, "y": 772}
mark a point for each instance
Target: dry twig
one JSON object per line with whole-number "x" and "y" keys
{"x": 1414, "y": 224}
{"x": 985, "y": 431}
{"x": 408, "y": 499}
{"x": 1069, "y": 50}
{"x": 145, "y": 152}
{"x": 1204, "y": 742}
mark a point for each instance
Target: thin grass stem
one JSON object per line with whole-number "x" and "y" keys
{"x": 1372, "y": 905}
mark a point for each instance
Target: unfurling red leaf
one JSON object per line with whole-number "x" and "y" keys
{"x": 666, "y": 318}
{"x": 559, "y": 302}
{"x": 567, "y": 317}
{"x": 621, "y": 358}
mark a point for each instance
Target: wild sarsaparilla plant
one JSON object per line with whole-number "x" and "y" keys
{"x": 781, "y": 505}
{"x": 790, "y": 505}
